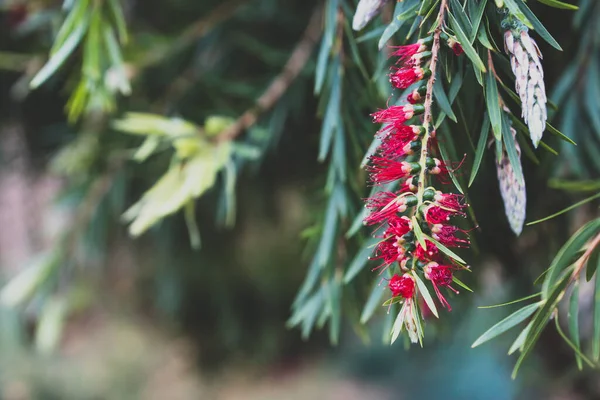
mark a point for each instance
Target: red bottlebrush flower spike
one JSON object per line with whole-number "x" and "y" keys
{"x": 404, "y": 77}
{"x": 402, "y": 286}
{"x": 440, "y": 275}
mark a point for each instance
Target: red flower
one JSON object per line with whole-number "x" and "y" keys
{"x": 408, "y": 186}
{"x": 385, "y": 205}
{"x": 389, "y": 251}
{"x": 409, "y": 54}
{"x": 455, "y": 46}
{"x": 440, "y": 275}
{"x": 415, "y": 97}
{"x": 447, "y": 235}
{"x": 384, "y": 170}
{"x": 450, "y": 200}
{"x": 437, "y": 215}
{"x": 430, "y": 254}
{"x": 457, "y": 49}
{"x": 404, "y": 77}
{"x": 402, "y": 286}
{"x": 398, "y": 226}
{"x": 396, "y": 114}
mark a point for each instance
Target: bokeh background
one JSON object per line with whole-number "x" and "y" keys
{"x": 151, "y": 318}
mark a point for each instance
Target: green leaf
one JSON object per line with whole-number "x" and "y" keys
{"x": 466, "y": 44}
{"x": 461, "y": 284}
{"x": 445, "y": 250}
{"x": 575, "y": 186}
{"x": 535, "y": 22}
{"x": 558, "y": 133}
{"x": 58, "y": 59}
{"x": 360, "y": 260}
{"x": 396, "y": 23}
{"x": 564, "y": 257}
{"x": 540, "y": 319}
{"x": 398, "y": 324}
{"x": 531, "y": 296}
{"x": 189, "y": 213}
{"x": 559, "y": 4}
{"x": 442, "y": 99}
{"x": 485, "y": 128}
{"x": 476, "y": 19}
{"x": 596, "y": 330}
{"x": 446, "y": 158}
{"x": 418, "y": 232}
{"x": 76, "y": 17}
{"x": 580, "y": 203}
{"x": 507, "y": 323}
{"x": 577, "y": 351}
{"x": 117, "y": 14}
{"x": 493, "y": 105}
{"x": 518, "y": 343}
{"x": 574, "y": 321}
{"x": 373, "y": 301}
{"x": 426, "y": 295}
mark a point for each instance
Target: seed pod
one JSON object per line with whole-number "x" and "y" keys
{"x": 512, "y": 191}
{"x": 365, "y": 12}
{"x": 529, "y": 80}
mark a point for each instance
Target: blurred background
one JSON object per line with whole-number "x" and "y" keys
{"x": 90, "y": 313}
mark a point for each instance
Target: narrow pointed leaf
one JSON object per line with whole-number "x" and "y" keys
{"x": 507, "y": 323}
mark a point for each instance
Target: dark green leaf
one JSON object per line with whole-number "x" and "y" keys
{"x": 493, "y": 105}
{"x": 580, "y": 203}
{"x": 592, "y": 264}
{"x": 485, "y": 128}
{"x": 442, "y": 100}
{"x": 466, "y": 44}
{"x": 426, "y": 295}
{"x": 559, "y": 4}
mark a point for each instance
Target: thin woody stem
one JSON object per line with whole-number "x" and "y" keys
{"x": 428, "y": 116}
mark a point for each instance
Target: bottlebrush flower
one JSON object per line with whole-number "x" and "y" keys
{"x": 429, "y": 254}
{"x": 385, "y": 170}
{"x": 384, "y": 205}
{"x": 529, "y": 79}
{"x": 402, "y": 286}
{"x": 455, "y": 46}
{"x": 440, "y": 275}
{"x": 388, "y": 251}
{"x": 437, "y": 215}
{"x": 397, "y": 114}
{"x": 447, "y": 235}
{"x": 404, "y": 77}
{"x": 450, "y": 200}
{"x": 512, "y": 189}
{"x": 408, "y": 53}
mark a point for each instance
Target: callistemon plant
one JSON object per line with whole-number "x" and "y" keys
{"x": 416, "y": 222}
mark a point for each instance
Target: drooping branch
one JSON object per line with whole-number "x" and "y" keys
{"x": 282, "y": 82}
